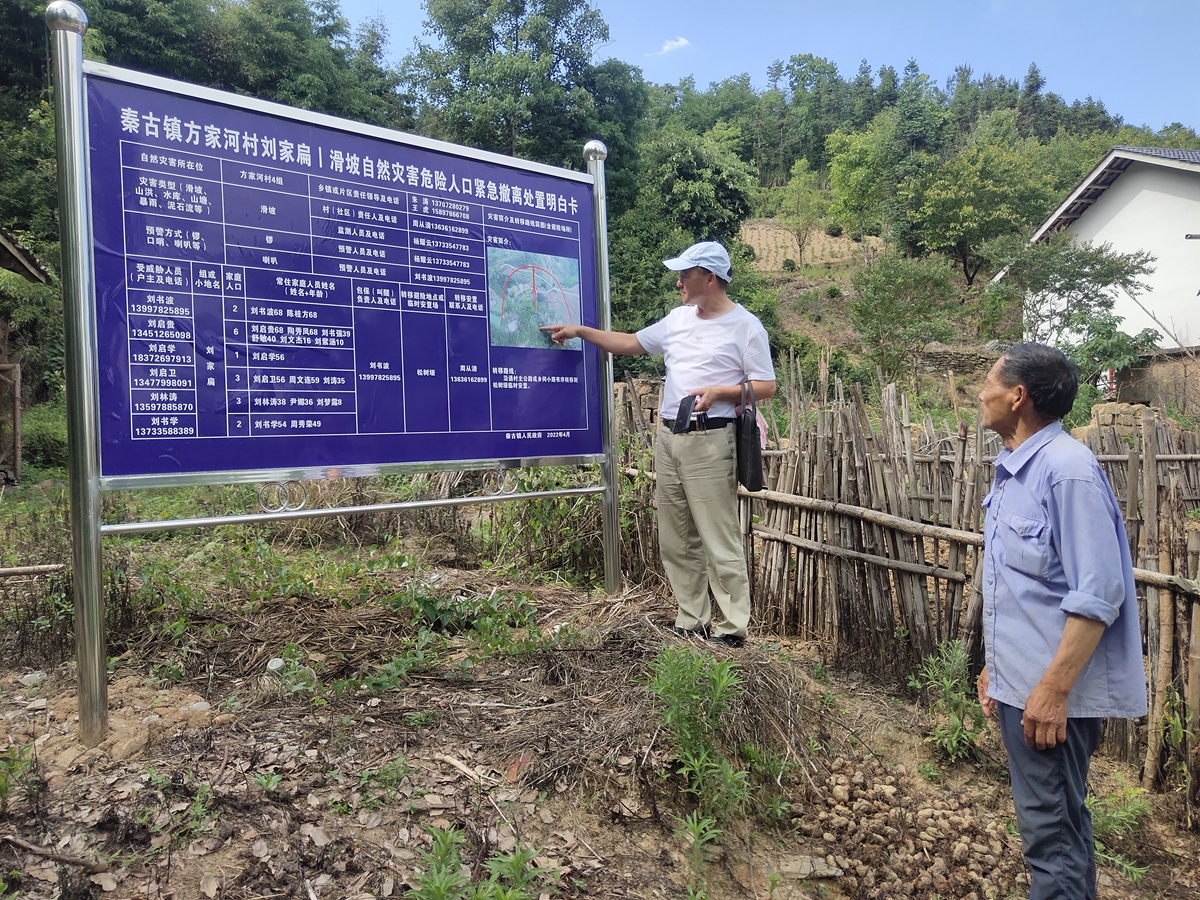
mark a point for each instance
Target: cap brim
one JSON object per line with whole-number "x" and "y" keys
{"x": 677, "y": 264}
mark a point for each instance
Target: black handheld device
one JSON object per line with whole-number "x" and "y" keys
{"x": 683, "y": 418}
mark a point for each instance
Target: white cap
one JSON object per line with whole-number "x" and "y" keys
{"x": 708, "y": 255}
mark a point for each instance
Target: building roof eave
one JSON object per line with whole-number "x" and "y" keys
{"x": 1106, "y": 172}
{"x": 16, "y": 257}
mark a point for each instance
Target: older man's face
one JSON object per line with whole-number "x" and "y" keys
{"x": 996, "y": 402}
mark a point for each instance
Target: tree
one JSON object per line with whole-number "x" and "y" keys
{"x": 804, "y": 204}
{"x": 1066, "y": 288}
{"x": 516, "y": 77}
{"x": 859, "y": 168}
{"x": 23, "y": 49}
{"x": 864, "y": 103}
{"x": 819, "y": 99}
{"x": 31, "y": 314}
{"x": 177, "y": 39}
{"x": 298, "y": 52}
{"x": 693, "y": 182}
{"x": 691, "y": 188}
{"x": 901, "y": 304}
{"x": 620, "y": 98}
{"x": 921, "y": 116}
{"x": 982, "y": 193}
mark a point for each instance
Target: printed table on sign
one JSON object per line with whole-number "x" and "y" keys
{"x": 281, "y": 293}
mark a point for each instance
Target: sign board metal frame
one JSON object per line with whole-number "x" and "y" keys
{"x": 68, "y": 23}
{"x": 226, "y": 233}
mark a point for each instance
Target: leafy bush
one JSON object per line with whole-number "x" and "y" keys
{"x": 693, "y": 691}
{"x": 558, "y": 535}
{"x": 765, "y": 202}
{"x": 1081, "y": 411}
{"x": 901, "y": 305}
{"x": 832, "y": 291}
{"x": 789, "y": 265}
{"x": 44, "y": 434}
{"x": 1116, "y": 817}
{"x": 959, "y": 721}
{"x": 462, "y": 612}
{"x": 834, "y": 229}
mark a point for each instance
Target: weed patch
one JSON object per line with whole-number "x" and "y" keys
{"x": 1116, "y": 818}
{"x": 959, "y": 723}
{"x": 510, "y": 876}
{"x": 693, "y": 690}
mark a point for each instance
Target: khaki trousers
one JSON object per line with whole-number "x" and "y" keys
{"x": 698, "y": 533}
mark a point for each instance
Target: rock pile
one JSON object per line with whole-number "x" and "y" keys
{"x": 890, "y": 841}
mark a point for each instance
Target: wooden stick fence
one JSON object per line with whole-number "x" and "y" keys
{"x": 867, "y": 538}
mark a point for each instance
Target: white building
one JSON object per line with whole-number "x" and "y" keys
{"x": 1145, "y": 198}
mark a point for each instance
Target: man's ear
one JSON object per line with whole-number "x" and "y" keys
{"x": 1020, "y": 398}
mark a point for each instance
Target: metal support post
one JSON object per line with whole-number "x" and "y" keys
{"x": 68, "y": 22}
{"x": 594, "y": 152}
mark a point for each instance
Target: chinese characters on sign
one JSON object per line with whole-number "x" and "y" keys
{"x": 279, "y": 293}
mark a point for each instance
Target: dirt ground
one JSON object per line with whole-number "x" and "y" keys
{"x": 233, "y": 783}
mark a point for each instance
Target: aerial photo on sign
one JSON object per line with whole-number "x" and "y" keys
{"x": 527, "y": 291}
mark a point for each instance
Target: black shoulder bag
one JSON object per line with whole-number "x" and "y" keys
{"x": 749, "y": 446}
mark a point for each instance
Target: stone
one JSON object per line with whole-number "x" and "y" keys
{"x": 809, "y": 867}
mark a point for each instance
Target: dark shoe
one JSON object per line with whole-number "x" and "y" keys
{"x": 728, "y": 640}
{"x": 701, "y": 632}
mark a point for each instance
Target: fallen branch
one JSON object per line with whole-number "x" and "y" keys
{"x": 92, "y": 868}
{"x": 462, "y": 767}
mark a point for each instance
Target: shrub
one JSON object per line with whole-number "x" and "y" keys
{"x": 834, "y": 229}
{"x": 693, "y": 690}
{"x": 959, "y": 720}
{"x": 1118, "y": 817}
{"x": 789, "y": 265}
{"x": 44, "y": 434}
{"x": 901, "y": 305}
{"x": 832, "y": 291}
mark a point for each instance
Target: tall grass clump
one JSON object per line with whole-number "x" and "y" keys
{"x": 693, "y": 690}
{"x": 958, "y": 720}
{"x": 559, "y": 537}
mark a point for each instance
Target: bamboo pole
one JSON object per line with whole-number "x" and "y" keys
{"x": 48, "y": 569}
{"x": 881, "y": 561}
{"x": 973, "y": 538}
{"x": 1192, "y": 691}
{"x": 1158, "y": 623}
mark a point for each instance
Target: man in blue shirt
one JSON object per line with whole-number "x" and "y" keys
{"x": 1060, "y": 617}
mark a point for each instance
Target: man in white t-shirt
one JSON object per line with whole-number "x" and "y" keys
{"x": 710, "y": 346}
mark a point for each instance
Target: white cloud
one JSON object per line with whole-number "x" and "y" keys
{"x": 670, "y": 45}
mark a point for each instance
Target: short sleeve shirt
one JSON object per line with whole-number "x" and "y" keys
{"x": 707, "y": 352}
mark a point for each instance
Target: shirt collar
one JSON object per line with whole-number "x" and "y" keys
{"x": 1012, "y": 461}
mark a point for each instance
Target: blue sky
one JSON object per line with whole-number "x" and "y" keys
{"x": 1140, "y": 58}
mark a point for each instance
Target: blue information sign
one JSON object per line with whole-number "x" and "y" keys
{"x": 279, "y": 290}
